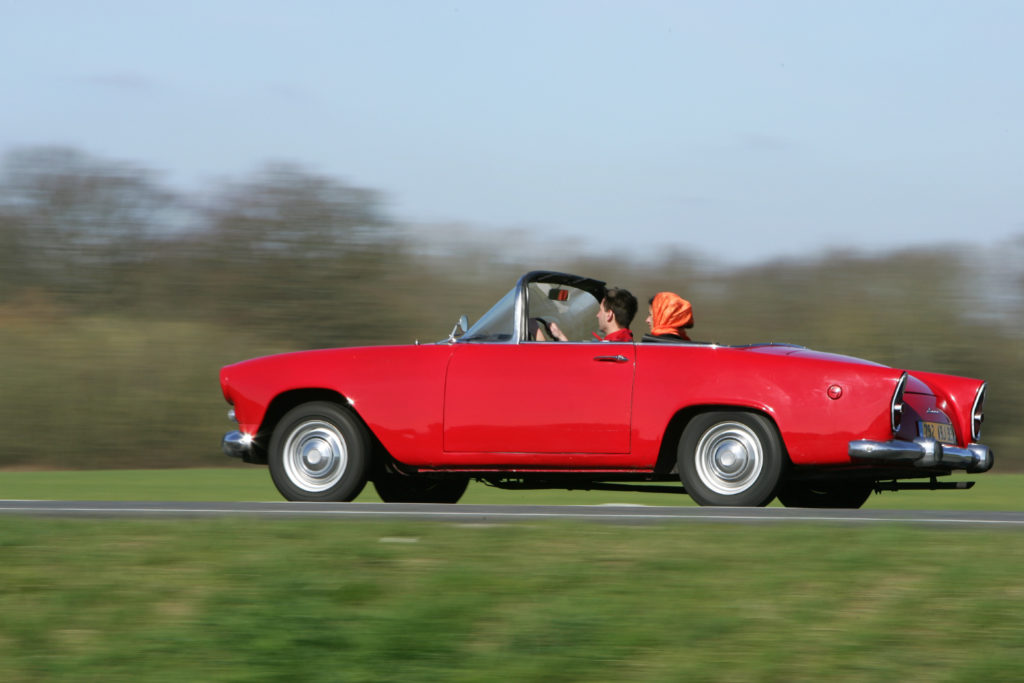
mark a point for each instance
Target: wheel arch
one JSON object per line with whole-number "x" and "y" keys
{"x": 287, "y": 400}
{"x": 667, "y": 462}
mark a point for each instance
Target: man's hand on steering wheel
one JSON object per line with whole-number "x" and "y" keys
{"x": 554, "y": 332}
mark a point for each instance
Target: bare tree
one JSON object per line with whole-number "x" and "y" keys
{"x": 78, "y": 217}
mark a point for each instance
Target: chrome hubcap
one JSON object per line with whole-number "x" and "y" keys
{"x": 315, "y": 456}
{"x": 729, "y": 458}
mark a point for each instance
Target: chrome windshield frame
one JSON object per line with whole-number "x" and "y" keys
{"x": 519, "y": 308}
{"x": 519, "y": 313}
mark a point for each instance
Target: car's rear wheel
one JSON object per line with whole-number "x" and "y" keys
{"x": 319, "y": 451}
{"x": 730, "y": 458}
{"x": 807, "y": 494}
{"x": 399, "y": 488}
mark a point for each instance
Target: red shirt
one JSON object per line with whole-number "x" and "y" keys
{"x": 623, "y": 335}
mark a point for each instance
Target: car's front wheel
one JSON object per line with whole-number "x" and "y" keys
{"x": 319, "y": 451}
{"x": 730, "y": 458}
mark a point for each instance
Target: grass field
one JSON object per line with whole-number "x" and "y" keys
{"x": 233, "y": 600}
{"x": 326, "y": 600}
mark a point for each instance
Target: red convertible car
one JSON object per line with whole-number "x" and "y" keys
{"x": 737, "y": 425}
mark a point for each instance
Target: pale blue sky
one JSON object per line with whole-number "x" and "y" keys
{"x": 744, "y": 130}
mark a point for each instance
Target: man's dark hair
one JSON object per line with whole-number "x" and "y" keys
{"x": 621, "y": 303}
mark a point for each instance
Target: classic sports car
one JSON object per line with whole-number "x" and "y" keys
{"x": 738, "y": 425}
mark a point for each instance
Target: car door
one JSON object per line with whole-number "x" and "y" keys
{"x": 539, "y": 398}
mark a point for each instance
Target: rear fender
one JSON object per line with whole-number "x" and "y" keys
{"x": 955, "y": 397}
{"x": 818, "y": 405}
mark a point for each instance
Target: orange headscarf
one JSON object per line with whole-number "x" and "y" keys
{"x": 670, "y": 313}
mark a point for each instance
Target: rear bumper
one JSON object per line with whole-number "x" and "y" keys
{"x": 924, "y": 452}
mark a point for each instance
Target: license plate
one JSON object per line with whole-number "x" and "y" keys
{"x": 943, "y": 433}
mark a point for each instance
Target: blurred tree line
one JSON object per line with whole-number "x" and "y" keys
{"x": 121, "y": 298}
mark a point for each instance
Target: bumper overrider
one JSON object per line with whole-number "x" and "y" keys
{"x": 237, "y": 445}
{"x": 923, "y": 452}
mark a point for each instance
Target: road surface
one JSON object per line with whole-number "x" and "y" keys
{"x": 479, "y": 514}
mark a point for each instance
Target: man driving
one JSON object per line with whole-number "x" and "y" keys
{"x": 614, "y": 315}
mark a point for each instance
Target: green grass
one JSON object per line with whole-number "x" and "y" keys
{"x": 252, "y": 483}
{"x": 237, "y": 600}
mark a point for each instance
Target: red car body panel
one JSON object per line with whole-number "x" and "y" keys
{"x": 397, "y": 391}
{"x": 539, "y": 402}
{"x": 786, "y": 383}
{"x": 562, "y": 406}
{"x": 954, "y": 396}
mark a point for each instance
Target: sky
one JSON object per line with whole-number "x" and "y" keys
{"x": 738, "y": 130}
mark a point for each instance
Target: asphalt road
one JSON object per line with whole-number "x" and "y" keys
{"x": 490, "y": 514}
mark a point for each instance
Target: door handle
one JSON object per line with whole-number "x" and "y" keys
{"x": 612, "y": 359}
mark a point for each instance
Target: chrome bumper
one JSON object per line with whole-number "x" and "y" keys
{"x": 924, "y": 452}
{"x": 236, "y": 444}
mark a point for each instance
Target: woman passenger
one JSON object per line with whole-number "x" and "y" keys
{"x": 668, "y": 315}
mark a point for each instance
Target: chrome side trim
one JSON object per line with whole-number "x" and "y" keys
{"x": 977, "y": 412}
{"x": 924, "y": 452}
{"x": 896, "y": 407}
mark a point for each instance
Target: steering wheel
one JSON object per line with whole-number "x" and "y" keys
{"x": 536, "y": 323}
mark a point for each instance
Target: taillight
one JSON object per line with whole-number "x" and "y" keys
{"x": 978, "y": 413}
{"x": 897, "y": 403}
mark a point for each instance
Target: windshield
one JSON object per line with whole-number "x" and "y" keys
{"x": 497, "y": 324}
{"x": 573, "y": 310}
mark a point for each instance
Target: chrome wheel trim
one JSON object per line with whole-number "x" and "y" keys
{"x": 729, "y": 458}
{"x": 315, "y": 456}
